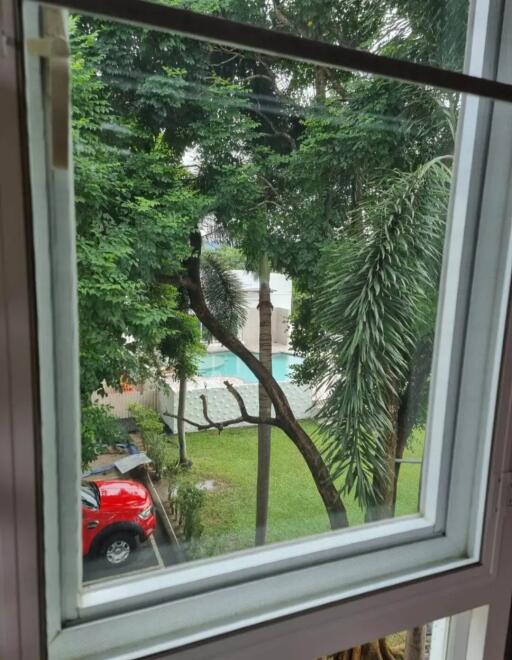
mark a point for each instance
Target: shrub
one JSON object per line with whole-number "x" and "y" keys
{"x": 156, "y": 449}
{"x": 147, "y": 419}
{"x": 189, "y": 500}
{"x": 150, "y": 426}
{"x": 172, "y": 467}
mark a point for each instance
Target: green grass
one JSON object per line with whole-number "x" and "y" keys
{"x": 295, "y": 508}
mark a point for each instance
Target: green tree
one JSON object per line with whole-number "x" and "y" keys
{"x": 134, "y": 209}
{"x": 378, "y": 306}
{"x": 182, "y": 349}
{"x": 182, "y": 346}
{"x": 303, "y": 166}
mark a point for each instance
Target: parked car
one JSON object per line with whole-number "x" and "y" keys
{"x": 115, "y": 516}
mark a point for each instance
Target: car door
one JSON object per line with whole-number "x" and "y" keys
{"x": 90, "y": 521}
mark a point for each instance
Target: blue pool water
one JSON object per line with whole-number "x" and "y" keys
{"x": 225, "y": 363}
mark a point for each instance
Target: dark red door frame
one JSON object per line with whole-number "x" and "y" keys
{"x": 22, "y": 611}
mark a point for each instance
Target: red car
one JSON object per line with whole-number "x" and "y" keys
{"x": 115, "y": 514}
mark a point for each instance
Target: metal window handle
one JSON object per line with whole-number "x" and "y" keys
{"x": 53, "y": 46}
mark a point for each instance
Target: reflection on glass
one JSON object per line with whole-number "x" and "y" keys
{"x": 431, "y": 32}
{"x": 259, "y": 246}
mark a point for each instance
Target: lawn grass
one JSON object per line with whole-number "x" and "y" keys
{"x": 295, "y": 508}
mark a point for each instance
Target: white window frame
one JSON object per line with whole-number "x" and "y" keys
{"x": 291, "y": 581}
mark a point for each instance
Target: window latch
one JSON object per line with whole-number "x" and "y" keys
{"x": 53, "y": 46}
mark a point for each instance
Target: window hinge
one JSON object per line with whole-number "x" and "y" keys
{"x": 48, "y": 47}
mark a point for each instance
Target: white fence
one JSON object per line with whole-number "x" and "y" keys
{"x": 119, "y": 401}
{"x": 221, "y": 404}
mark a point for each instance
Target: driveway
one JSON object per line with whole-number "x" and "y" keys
{"x": 157, "y": 552}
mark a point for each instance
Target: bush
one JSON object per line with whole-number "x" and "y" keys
{"x": 156, "y": 449}
{"x": 99, "y": 428}
{"x": 172, "y": 467}
{"x": 189, "y": 501}
{"x": 150, "y": 426}
{"x": 147, "y": 419}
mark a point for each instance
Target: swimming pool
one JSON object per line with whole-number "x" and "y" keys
{"x": 225, "y": 363}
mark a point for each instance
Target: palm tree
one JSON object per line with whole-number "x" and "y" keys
{"x": 265, "y": 405}
{"x": 378, "y": 306}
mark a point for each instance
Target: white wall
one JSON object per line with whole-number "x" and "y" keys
{"x": 250, "y": 333}
{"x": 222, "y": 405}
{"x": 281, "y": 298}
{"x": 280, "y": 285}
{"x": 119, "y": 401}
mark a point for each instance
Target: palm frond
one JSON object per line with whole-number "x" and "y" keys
{"x": 378, "y": 278}
{"x": 223, "y": 291}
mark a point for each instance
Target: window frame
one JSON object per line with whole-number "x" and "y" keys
{"x": 62, "y": 605}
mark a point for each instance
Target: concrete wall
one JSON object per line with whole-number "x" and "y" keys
{"x": 222, "y": 405}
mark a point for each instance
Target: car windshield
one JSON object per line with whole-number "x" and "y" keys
{"x": 90, "y": 495}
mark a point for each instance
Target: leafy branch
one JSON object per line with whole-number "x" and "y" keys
{"x": 380, "y": 281}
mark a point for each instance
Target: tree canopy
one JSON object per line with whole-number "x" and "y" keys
{"x": 339, "y": 179}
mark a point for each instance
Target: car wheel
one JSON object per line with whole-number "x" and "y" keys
{"x": 118, "y": 548}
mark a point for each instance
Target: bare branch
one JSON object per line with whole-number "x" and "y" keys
{"x": 243, "y": 409}
{"x": 275, "y": 131}
{"x": 256, "y": 76}
{"x": 199, "y": 427}
{"x": 220, "y": 426}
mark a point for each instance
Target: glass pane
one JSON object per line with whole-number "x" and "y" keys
{"x": 258, "y": 268}
{"x": 431, "y": 32}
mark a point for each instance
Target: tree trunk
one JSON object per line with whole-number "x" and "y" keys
{"x": 182, "y": 439}
{"x": 377, "y": 650}
{"x": 265, "y": 405}
{"x": 384, "y": 487}
{"x": 384, "y": 481}
{"x": 411, "y": 400}
{"x": 287, "y": 422}
{"x": 415, "y": 644}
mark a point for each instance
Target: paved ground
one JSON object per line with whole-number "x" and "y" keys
{"x": 155, "y": 553}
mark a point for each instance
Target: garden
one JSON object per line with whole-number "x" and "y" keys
{"x": 194, "y": 161}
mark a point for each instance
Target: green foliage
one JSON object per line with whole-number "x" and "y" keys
{"x": 155, "y": 442}
{"x": 98, "y": 428}
{"x": 147, "y": 419}
{"x": 189, "y": 500}
{"x": 156, "y": 446}
{"x": 134, "y": 210}
{"x": 223, "y": 291}
{"x": 231, "y": 257}
{"x": 182, "y": 345}
{"x": 376, "y": 305}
